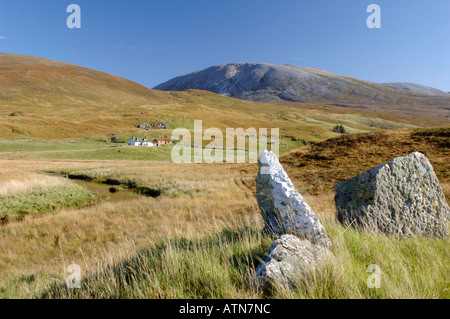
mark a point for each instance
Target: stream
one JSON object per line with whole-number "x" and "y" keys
{"x": 112, "y": 194}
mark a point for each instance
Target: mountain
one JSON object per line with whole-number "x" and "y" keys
{"x": 263, "y": 82}
{"x": 44, "y": 99}
{"x": 417, "y": 89}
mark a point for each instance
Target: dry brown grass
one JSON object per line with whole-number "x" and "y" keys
{"x": 32, "y": 184}
{"x": 48, "y": 243}
{"x": 325, "y": 164}
{"x": 39, "y": 248}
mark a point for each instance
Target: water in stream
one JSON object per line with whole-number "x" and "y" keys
{"x": 112, "y": 194}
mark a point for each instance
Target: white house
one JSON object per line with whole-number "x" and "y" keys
{"x": 135, "y": 141}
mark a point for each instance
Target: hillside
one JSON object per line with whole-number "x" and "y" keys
{"x": 327, "y": 163}
{"x": 263, "y": 82}
{"x": 315, "y": 169}
{"x": 417, "y": 89}
{"x": 44, "y": 99}
{"x": 40, "y": 98}
{"x": 26, "y": 80}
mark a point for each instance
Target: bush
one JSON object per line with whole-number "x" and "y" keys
{"x": 339, "y": 129}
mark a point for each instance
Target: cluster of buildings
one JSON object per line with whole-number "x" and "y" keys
{"x": 135, "y": 141}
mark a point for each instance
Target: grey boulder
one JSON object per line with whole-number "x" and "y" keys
{"x": 401, "y": 198}
{"x": 283, "y": 209}
{"x": 289, "y": 260}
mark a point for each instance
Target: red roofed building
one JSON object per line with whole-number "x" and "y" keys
{"x": 161, "y": 141}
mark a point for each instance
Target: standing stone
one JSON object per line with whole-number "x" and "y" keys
{"x": 290, "y": 259}
{"x": 401, "y": 198}
{"x": 282, "y": 207}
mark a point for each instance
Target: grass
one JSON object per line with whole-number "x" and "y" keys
{"x": 83, "y": 235}
{"x": 322, "y": 165}
{"x": 313, "y": 122}
{"x": 179, "y": 267}
{"x": 83, "y": 151}
{"x": 39, "y": 146}
{"x": 40, "y": 195}
{"x": 202, "y": 237}
{"x": 106, "y": 151}
{"x": 32, "y": 184}
{"x": 221, "y": 265}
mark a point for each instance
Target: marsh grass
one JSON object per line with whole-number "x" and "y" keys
{"x": 39, "y": 195}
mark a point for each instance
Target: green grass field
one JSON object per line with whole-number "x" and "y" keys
{"x": 82, "y": 151}
{"x": 91, "y": 150}
{"x": 40, "y": 146}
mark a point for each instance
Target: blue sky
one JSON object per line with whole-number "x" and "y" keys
{"x": 151, "y": 41}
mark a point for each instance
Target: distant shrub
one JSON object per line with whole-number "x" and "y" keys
{"x": 339, "y": 129}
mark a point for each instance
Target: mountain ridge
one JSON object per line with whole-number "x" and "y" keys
{"x": 268, "y": 82}
{"x": 417, "y": 88}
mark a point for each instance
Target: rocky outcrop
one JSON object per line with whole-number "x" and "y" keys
{"x": 282, "y": 207}
{"x": 401, "y": 198}
{"x": 289, "y": 260}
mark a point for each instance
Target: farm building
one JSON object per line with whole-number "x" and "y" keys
{"x": 135, "y": 141}
{"x": 161, "y": 141}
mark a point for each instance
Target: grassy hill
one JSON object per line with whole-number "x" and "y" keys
{"x": 33, "y": 81}
{"x": 43, "y": 99}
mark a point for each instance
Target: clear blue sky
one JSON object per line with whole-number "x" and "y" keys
{"x": 151, "y": 41}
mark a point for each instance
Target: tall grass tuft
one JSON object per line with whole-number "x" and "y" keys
{"x": 42, "y": 194}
